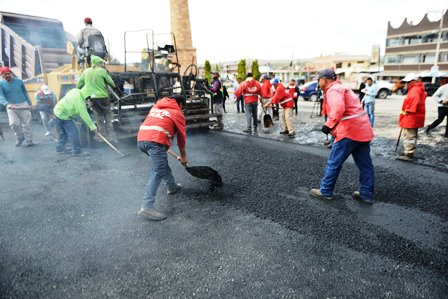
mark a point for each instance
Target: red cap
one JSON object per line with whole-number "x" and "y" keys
{"x": 87, "y": 21}
{"x": 5, "y": 69}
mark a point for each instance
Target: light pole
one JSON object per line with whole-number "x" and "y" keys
{"x": 439, "y": 40}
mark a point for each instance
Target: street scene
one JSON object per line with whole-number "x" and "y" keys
{"x": 217, "y": 156}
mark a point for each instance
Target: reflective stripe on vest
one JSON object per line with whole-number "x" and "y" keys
{"x": 250, "y": 94}
{"x": 285, "y": 101}
{"x": 353, "y": 116}
{"x": 156, "y": 128}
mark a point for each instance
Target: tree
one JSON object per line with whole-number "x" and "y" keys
{"x": 242, "y": 69}
{"x": 208, "y": 71}
{"x": 255, "y": 70}
{"x": 217, "y": 68}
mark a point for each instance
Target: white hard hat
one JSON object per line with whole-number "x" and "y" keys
{"x": 45, "y": 89}
{"x": 410, "y": 77}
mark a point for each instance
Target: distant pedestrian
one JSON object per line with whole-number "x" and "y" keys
{"x": 266, "y": 94}
{"x": 412, "y": 115}
{"x": 14, "y": 96}
{"x": 238, "y": 100}
{"x": 284, "y": 99}
{"x": 90, "y": 41}
{"x": 72, "y": 105}
{"x": 164, "y": 120}
{"x": 45, "y": 102}
{"x": 225, "y": 96}
{"x": 218, "y": 100}
{"x": 293, "y": 90}
{"x": 368, "y": 100}
{"x": 441, "y": 97}
{"x": 251, "y": 90}
{"x": 350, "y": 126}
{"x": 362, "y": 85}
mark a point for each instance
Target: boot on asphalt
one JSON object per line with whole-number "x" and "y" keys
{"x": 151, "y": 214}
{"x": 356, "y": 196}
{"x": 316, "y": 193}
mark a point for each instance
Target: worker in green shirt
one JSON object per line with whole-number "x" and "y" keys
{"x": 94, "y": 81}
{"x": 68, "y": 108}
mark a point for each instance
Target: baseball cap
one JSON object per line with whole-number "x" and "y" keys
{"x": 5, "y": 69}
{"x": 215, "y": 73}
{"x": 88, "y": 21}
{"x": 410, "y": 77}
{"x": 326, "y": 73}
{"x": 275, "y": 81}
{"x": 45, "y": 89}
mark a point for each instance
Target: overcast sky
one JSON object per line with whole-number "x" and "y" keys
{"x": 235, "y": 29}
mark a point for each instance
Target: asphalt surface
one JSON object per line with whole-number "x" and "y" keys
{"x": 69, "y": 229}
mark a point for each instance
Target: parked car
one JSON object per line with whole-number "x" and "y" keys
{"x": 384, "y": 89}
{"x": 309, "y": 91}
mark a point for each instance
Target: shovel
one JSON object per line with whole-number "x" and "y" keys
{"x": 202, "y": 172}
{"x": 267, "y": 120}
{"x": 110, "y": 145}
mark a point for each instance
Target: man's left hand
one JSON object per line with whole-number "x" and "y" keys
{"x": 325, "y": 129}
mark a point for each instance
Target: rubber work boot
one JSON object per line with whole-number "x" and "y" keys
{"x": 291, "y": 135}
{"x": 356, "y": 196}
{"x": 19, "y": 141}
{"x": 406, "y": 158}
{"x": 284, "y": 132}
{"x": 247, "y": 130}
{"x": 176, "y": 190}
{"x": 316, "y": 193}
{"x": 151, "y": 214}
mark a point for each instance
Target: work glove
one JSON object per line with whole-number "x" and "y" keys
{"x": 325, "y": 129}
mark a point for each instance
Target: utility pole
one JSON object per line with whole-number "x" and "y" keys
{"x": 439, "y": 40}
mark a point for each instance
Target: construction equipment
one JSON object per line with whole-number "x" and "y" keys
{"x": 39, "y": 61}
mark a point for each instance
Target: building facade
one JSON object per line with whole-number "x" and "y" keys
{"x": 413, "y": 47}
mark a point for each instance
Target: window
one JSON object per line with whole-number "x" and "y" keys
{"x": 412, "y": 40}
{"x": 443, "y": 57}
{"x": 339, "y": 65}
{"x": 410, "y": 59}
{"x": 430, "y": 38}
{"x": 390, "y": 42}
{"x": 428, "y": 58}
{"x": 392, "y": 59}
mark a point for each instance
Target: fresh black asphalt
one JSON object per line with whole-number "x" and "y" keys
{"x": 69, "y": 229}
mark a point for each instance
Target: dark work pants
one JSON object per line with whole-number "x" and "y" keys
{"x": 443, "y": 112}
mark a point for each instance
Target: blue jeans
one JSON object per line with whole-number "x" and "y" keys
{"x": 370, "y": 109}
{"x": 251, "y": 113}
{"x": 67, "y": 130}
{"x": 160, "y": 170}
{"x": 240, "y": 102}
{"x": 340, "y": 151}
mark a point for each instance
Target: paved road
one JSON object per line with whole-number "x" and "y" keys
{"x": 69, "y": 229}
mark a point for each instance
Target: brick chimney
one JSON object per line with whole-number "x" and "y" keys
{"x": 180, "y": 26}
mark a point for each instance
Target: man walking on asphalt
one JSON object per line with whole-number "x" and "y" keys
{"x": 286, "y": 101}
{"x": 368, "y": 99}
{"x": 412, "y": 115}
{"x": 293, "y": 90}
{"x": 441, "y": 97}
{"x": 45, "y": 101}
{"x": 238, "y": 100}
{"x": 154, "y": 139}
{"x": 86, "y": 36}
{"x": 72, "y": 105}
{"x": 18, "y": 106}
{"x": 94, "y": 81}
{"x": 251, "y": 90}
{"x": 350, "y": 126}
{"x": 218, "y": 100}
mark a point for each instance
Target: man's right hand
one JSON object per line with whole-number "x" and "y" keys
{"x": 183, "y": 161}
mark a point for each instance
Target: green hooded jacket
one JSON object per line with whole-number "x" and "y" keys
{"x": 73, "y": 105}
{"x": 94, "y": 80}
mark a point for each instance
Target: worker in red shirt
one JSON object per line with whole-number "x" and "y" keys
{"x": 286, "y": 101}
{"x": 251, "y": 90}
{"x": 165, "y": 119}
{"x": 412, "y": 115}
{"x": 266, "y": 95}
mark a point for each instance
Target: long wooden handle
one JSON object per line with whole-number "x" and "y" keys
{"x": 398, "y": 139}
{"x": 173, "y": 154}
{"x": 109, "y": 144}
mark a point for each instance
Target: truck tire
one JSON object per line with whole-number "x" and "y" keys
{"x": 383, "y": 93}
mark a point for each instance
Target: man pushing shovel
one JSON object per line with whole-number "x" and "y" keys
{"x": 165, "y": 119}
